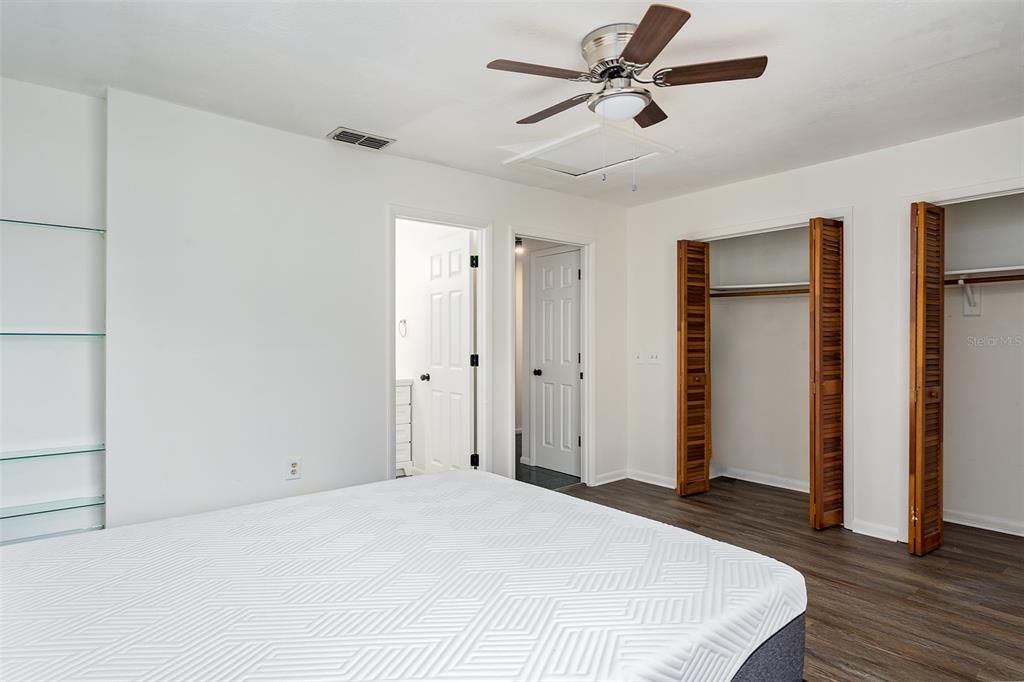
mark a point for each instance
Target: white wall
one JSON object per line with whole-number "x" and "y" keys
{"x": 874, "y": 192}
{"x": 759, "y": 374}
{"x": 759, "y": 361}
{"x": 983, "y": 429}
{"x": 52, "y": 165}
{"x": 248, "y": 306}
{"x": 412, "y": 303}
{"x": 984, "y": 234}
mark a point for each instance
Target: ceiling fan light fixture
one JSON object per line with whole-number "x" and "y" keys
{"x": 620, "y": 104}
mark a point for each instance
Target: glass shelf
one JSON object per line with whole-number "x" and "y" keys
{"x": 60, "y": 533}
{"x": 52, "y": 506}
{"x": 51, "y": 452}
{"x": 30, "y": 223}
{"x": 53, "y": 333}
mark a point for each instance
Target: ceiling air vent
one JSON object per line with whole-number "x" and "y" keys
{"x": 359, "y": 138}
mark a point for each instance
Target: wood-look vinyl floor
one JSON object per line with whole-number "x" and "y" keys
{"x": 873, "y": 610}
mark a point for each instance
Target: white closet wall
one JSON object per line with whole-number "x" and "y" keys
{"x": 759, "y": 362}
{"x": 983, "y": 425}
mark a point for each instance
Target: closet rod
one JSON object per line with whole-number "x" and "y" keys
{"x": 772, "y": 292}
{"x": 993, "y": 279}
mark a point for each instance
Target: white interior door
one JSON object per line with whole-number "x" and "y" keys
{"x": 450, "y": 425}
{"x": 555, "y": 378}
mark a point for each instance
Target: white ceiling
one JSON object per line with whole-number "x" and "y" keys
{"x": 842, "y": 77}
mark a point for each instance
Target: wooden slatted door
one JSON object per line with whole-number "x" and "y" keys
{"x": 927, "y": 268}
{"x": 826, "y": 372}
{"x": 693, "y": 360}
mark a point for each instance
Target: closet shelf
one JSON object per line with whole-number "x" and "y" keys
{"x": 771, "y": 285}
{"x": 1005, "y": 273}
{"x": 769, "y": 289}
{"x": 53, "y": 333}
{"x": 31, "y": 223}
{"x": 61, "y": 533}
{"x": 51, "y": 506}
{"x": 51, "y": 452}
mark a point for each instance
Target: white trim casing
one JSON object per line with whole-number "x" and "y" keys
{"x": 588, "y": 393}
{"x": 485, "y": 348}
{"x": 845, "y": 214}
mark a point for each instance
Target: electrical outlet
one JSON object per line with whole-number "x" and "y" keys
{"x": 638, "y": 357}
{"x": 654, "y": 358}
{"x": 294, "y": 468}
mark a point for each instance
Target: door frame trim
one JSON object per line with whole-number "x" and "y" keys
{"x": 588, "y": 260}
{"x": 941, "y": 197}
{"x": 484, "y": 231}
{"x": 798, "y": 220}
{"x": 528, "y": 342}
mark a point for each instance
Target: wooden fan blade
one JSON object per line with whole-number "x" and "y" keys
{"x": 711, "y": 72}
{"x": 537, "y": 70}
{"x": 556, "y": 109}
{"x": 659, "y": 25}
{"x": 651, "y": 114}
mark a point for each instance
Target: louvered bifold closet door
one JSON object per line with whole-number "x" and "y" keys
{"x": 826, "y": 372}
{"x": 693, "y": 397}
{"x": 927, "y": 272}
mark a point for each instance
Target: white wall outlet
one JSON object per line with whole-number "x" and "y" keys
{"x": 294, "y": 468}
{"x": 654, "y": 358}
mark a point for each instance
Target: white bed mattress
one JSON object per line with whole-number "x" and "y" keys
{"x": 462, "y": 575}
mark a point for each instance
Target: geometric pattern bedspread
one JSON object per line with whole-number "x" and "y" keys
{"x": 453, "y": 576}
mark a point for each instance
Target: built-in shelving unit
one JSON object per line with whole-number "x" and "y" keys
{"x": 54, "y": 490}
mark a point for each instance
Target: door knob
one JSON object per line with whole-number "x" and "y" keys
{"x": 425, "y": 377}
{"x": 537, "y": 372}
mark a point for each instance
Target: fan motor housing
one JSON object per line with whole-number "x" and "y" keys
{"x": 602, "y": 48}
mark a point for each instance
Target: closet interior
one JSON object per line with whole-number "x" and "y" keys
{"x": 967, "y": 368}
{"x": 761, "y": 330}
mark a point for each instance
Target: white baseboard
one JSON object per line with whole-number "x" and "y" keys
{"x": 653, "y": 479}
{"x": 764, "y": 479}
{"x": 875, "y": 530}
{"x": 996, "y": 523}
{"x": 609, "y": 477}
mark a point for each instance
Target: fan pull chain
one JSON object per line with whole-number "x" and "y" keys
{"x": 634, "y": 162}
{"x": 604, "y": 151}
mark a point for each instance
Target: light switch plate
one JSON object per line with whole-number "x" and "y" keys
{"x": 972, "y": 310}
{"x": 654, "y": 358}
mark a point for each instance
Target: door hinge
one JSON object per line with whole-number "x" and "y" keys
{"x": 474, "y": 261}
{"x": 579, "y": 441}
{"x": 579, "y": 274}
{"x": 581, "y": 376}
{"x": 474, "y": 460}
{"x": 913, "y": 516}
{"x": 474, "y": 360}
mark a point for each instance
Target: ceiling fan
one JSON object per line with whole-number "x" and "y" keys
{"x": 617, "y": 54}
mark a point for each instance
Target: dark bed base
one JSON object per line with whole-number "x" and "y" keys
{"x": 779, "y": 659}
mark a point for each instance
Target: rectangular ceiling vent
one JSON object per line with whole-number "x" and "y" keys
{"x": 359, "y": 138}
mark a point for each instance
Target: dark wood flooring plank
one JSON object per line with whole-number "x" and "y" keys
{"x": 873, "y": 611}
